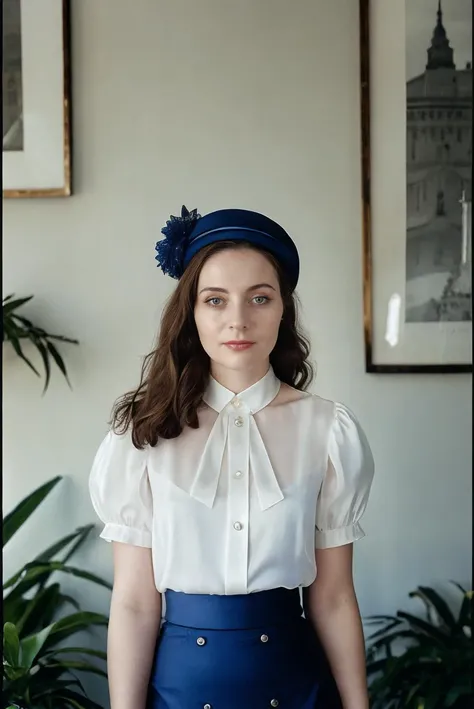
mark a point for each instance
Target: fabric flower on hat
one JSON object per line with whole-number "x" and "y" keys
{"x": 170, "y": 250}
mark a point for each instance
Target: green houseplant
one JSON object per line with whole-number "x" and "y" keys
{"x": 17, "y": 328}
{"x": 435, "y": 669}
{"x": 40, "y": 657}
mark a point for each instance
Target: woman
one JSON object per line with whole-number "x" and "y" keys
{"x": 224, "y": 486}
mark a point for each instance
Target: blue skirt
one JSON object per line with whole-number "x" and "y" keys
{"x": 239, "y": 652}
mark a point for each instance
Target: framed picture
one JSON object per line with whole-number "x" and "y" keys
{"x": 36, "y": 99}
{"x": 416, "y": 120}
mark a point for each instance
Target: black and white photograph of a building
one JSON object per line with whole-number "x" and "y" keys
{"x": 439, "y": 160}
{"x": 12, "y": 94}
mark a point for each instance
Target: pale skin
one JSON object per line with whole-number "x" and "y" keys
{"x": 238, "y": 299}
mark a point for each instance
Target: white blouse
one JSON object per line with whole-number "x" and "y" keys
{"x": 239, "y": 504}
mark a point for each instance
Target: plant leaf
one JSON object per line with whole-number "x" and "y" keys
{"x": 17, "y": 517}
{"x": 39, "y": 606}
{"x": 84, "y": 533}
{"x": 31, "y": 646}
{"x": 375, "y": 619}
{"x": 58, "y": 359}
{"x": 422, "y": 625}
{"x": 13, "y": 609}
{"x": 77, "y": 701}
{"x": 387, "y": 640}
{"x": 11, "y": 645}
{"x": 13, "y": 338}
{"x": 10, "y": 305}
{"x": 80, "y": 534}
{"x": 465, "y": 613}
{"x": 78, "y": 651}
{"x": 72, "y": 624}
{"x": 59, "y": 685}
{"x": 387, "y": 628}
{"x": 80, "y": 665}
{"x": 43, "y": 608}
{"x": 62, "y": 338}
{"x": 430, "y": 597}
{"x": 463, "y": 590}
{"x": 34, "y": 570}
{"x": 464, "y": 690}
{"x": 45, "y": 357}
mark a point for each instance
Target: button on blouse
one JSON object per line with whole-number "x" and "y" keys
{"x": 239, "y": 504}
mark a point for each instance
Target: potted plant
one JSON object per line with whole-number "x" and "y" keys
{"x": 40, "y": 656}
{"x": 435, "y": 668}
{"x": 17, "y": 328}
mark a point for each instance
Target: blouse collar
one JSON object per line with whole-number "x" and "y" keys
{"x": 254, "y": 398}
{"x": 236, "y": 418}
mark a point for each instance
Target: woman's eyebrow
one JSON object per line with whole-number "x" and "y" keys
{"x": 223, "y": 290}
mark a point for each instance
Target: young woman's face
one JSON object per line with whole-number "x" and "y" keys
{"x": 238, "y": 309}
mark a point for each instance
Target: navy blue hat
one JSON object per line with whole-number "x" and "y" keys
{"x": 188, "y": 234}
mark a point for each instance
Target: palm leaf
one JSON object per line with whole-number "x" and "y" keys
{"x": 43, "y": 608}
{"x": 80, "y": 535}
{"x": 16, "y": 327}
{"x": 380, "y": 633}
{"x": 375, "y": 666}
{"x": 458, "y": 585}
{"x": 83, "y": 533}
{"x": 377, "y": 619}
{"x": 454, "y": 694}
{"x": 79, "y": 665}
{"x": 45, "y": 357}
{"x": 58, "y": 359}
{"x": 11, "y": 645}
{"x": 432, "y": 599}
{"x": 392, "y": 637}
{"x": 35, "y": 570}
{"x": 9, "y": 305}
{"x": 14, "y": 339}
{"x": 30, "y": 647}
{"x": 425, "y": 627}
{"x": 465, "y": 613}
{"x": 71, "y": 624}
{"x": 13, "y": 609}
{"x": 39, "y": 607}
{"x": 76, "y": 701}
{"x": 16, "y": 519}
{"x": 59, "y": 686}
{"x": 78, "y": 651}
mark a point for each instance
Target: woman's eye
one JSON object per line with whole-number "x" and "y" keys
{"x": 214, "y": 301}
{"x": 261, "y": 299}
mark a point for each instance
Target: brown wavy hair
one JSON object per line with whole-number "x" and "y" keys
{"x": 175, "y": 374}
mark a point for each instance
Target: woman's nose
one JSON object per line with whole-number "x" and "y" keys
{"x": 238, "y": 317}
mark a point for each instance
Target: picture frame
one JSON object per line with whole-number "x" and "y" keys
{"x": 37, "y": 136}
{"x": 417, "y": 264}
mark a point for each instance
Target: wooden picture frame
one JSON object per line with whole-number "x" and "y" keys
{"x": 404, "y": 333}
{"x": 36, "y": 99}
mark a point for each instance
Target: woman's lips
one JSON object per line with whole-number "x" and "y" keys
{"x": 239, "y": 345}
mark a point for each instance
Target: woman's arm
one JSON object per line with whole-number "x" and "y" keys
{"x": 331, "y": 606}
{"x": 135, "y": 615}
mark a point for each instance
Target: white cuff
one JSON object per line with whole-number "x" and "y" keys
{"x": 126, "y": 535}
{"x": 338, "y": 537}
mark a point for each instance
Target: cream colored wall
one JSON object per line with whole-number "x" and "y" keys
{"x": 220, "y": 104}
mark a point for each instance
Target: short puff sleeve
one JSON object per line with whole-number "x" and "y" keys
{"x": 120, "y": 491}
{"x": 346, "y": 485}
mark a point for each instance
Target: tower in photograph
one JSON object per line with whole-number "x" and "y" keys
{"x": 439, "y": 185}
{"x": 12, "y": 94}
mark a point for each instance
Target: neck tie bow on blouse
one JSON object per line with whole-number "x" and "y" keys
{"x": 236, "y": 431}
